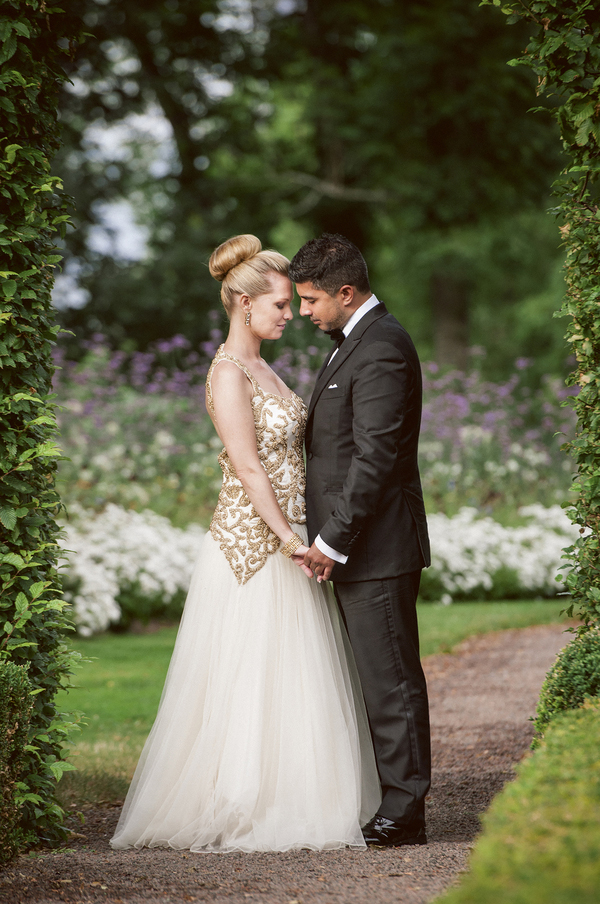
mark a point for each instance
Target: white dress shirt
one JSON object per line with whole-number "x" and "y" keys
{"x": 365, "y": 307}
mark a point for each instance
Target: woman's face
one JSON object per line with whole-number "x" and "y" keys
{"x": 270, "y": 312}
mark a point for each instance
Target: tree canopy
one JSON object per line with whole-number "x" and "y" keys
{"x": 396, "y": 123}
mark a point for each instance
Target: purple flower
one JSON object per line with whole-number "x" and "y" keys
{"x": 523, "y": 363}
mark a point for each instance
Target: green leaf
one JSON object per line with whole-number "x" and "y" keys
{"x": 12, "y": 558}
{"x": 8, "y": 517}
{"x": 59, "y": 767}
{"x": 42, "y": 419}
{"x": 8, "y": 48}
{"x": 37, "y": 589}
{"x": 16, "y": 645}
{"x": 583, "y": 132}
{"x": 24, "y": 397}
{"x": 583, "y": 112}
{"x": 47, "y": 449}
{"x": 21, "y": 604}
{"x": 11, "y": 152}
{"x": 9, "y": 288}
{"x": 22, "y": 28}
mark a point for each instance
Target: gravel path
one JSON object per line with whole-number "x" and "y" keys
{"x": 482, "y": 696}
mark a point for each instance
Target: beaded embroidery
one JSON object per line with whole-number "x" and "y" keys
{"x": 245, "y": 539}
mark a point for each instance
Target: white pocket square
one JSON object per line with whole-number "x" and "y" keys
{"x": 333, "y": 386}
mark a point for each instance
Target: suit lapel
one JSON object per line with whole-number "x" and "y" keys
{"x": 344, "y": 352}
{"x": 324, "y": 365}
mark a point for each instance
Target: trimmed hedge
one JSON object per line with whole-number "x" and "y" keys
{"x": 16, "y": 703}
{"x": 37, "y": 42}
{"x": 573, "y": 679}
{"x": 564, "y": 54}
{"x": 541, "y": 840}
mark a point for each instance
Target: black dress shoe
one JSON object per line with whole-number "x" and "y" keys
{"x": 387, "y": 833}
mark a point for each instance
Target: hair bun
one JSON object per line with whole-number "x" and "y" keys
{"x": 234, "y": 251}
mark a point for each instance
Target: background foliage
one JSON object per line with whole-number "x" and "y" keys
{"x": 397, "y": 123}
{"x": 37, "y": 40}
{"x": 564, "y": 53}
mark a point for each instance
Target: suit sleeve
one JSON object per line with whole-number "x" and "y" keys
{"x": 379, "y": 393}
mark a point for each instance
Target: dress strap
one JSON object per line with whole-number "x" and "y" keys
{"x": 225, "y": 356}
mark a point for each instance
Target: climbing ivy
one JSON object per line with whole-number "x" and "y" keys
{"x": 36, "y": 41}
{"x": 564, "y": 53}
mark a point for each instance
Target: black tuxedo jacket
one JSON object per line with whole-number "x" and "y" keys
{"x": 364, "y": 492}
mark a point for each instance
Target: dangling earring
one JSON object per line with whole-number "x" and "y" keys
{"x": 247, "y": 318}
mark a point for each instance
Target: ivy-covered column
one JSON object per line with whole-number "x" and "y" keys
{"x": 564, "y": 53}
{"x": 36, "y": 41}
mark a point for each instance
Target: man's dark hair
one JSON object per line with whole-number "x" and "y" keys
{"x": 330, "y": 262}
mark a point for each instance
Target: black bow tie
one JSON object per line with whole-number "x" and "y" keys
{"x": 336, "y": 335}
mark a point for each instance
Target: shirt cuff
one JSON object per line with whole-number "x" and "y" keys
{"x": 328, "y": 551}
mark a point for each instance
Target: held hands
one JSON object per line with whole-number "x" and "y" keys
{"x": 298, "y": 559}
{"x": 311, "y": 561}
{"x": 318, "y": 563}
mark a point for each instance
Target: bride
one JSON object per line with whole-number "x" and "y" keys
{"x": 261, "y": 741}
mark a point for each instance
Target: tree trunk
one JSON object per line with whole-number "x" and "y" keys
{"x": 450, "y": 310}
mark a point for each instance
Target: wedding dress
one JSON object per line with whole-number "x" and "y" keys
{"x": 261, "y": 742}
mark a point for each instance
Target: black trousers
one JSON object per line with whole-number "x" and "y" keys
{"x": 381, "y": 620}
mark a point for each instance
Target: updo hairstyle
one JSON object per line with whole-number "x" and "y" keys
{"x": 242, "y": 266}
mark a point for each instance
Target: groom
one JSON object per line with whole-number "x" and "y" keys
{"x": 365, "y": 514}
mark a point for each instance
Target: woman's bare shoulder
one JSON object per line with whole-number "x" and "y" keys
{"x": 228, "y": 378}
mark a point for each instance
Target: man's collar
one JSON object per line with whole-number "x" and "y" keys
{"x": 365, "y": 307}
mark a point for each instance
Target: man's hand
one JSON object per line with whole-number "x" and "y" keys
{"x": 320, "y": 564}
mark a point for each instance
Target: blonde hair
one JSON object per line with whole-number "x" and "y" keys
{"x": 242, "y": 266}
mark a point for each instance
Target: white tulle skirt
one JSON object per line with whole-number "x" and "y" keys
{"x": 261, "y": 742}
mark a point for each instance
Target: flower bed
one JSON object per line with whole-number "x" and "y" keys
{"x": 135, "y": 430}
{"x": 478, "y": 558}
{"x": 127, "y": 565}
{"x": 493, "y": 445}
{"x": 136, "y": 433}
{"x": 126, "y": 560}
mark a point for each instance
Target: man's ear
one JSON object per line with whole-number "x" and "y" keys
{"x": 346, "y": 294}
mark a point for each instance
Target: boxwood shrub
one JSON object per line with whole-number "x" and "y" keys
{"x": 573, "y": 679}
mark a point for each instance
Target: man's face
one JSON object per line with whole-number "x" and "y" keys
{"x": 326, "y": 311}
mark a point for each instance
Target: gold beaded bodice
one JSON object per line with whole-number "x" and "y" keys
{"x": 244, "y": 537}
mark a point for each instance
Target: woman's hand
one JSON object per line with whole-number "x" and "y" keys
{"x": 298, "y": 559}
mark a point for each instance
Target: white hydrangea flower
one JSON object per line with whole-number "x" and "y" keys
{"x": 468, "y": 550}
{"x": 117, "y": 548}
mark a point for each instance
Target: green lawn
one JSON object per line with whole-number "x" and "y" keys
{"x": 443, "y": 627}
{"x": 119, "y": 689}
